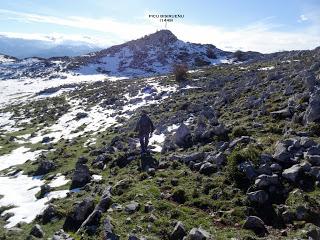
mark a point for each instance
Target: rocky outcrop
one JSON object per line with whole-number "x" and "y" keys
{"x": 183, "y": 136}
{"x": 78, "y": 215}
{"x": 81, "y": 176}
{"x": 312, "y": 113}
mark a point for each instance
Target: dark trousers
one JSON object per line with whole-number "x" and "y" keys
{"x": 144, "y": 141}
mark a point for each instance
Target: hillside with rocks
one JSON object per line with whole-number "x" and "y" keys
{"x": 151, "y": 55}
{"x": 235, "y": 153}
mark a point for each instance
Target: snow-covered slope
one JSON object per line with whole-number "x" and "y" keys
{"x": 152, "y": 54}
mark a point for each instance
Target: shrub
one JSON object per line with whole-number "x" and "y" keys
{"x": 239, "y": 131}
{"x": 237, "y": 157}
{"x": 180, "y": 72}
{"x": 179, "y": 196}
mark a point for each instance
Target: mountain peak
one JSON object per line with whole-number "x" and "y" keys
{"x": 163, "y": 36}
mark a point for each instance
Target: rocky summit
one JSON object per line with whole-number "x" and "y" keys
{"x": 235, "y": 153}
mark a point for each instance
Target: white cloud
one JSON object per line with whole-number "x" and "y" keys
{"x": 303, "y": 18}
{"x": 263, "y": 36}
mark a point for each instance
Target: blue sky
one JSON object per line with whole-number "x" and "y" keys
{"x": 264, "y": 26}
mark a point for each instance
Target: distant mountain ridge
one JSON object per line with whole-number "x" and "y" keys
{"x": 25, "y": 48}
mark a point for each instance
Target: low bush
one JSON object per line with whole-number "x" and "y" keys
{"x": 180, "y": 72}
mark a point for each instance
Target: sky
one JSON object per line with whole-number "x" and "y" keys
{"x": 264, "y": 26}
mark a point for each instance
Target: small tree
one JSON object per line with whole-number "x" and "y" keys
{"x": 180, "y": 72}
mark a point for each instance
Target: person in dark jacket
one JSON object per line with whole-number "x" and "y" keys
{"x": 145, "y": 129}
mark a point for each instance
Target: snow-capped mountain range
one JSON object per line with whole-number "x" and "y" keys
{"x": 150, "y": 55}
{"x": 46, "y": 47}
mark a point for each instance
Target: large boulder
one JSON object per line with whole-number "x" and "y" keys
{"x": 92, "y": 222}
{"x": 248, "y": 169}
{"x": 310, "y": 81}
{"x": 281, "y": 153}
{"x": 256, "y": 224}
{"x": 207, "y": 168}
{"x": 198, "y": 234}
{"x": 194, "y": 157}
{"x": 108, "y": 231}
{"x": 313, "y": 155}
{"x": 283, "y": 113}
{"x": 293, "y": 172}
{"x": 312, "y": 113}
{"x": 45, "y": 167}
{"x": 218, "y": 159}
{"x": 37, "y": 231}
{"x": 132, "y": 207}
{"x": 49, "y": 214}
{"x": 78, "y": 215}
{"x": 258, "y": 197}
{"x": 81, "y": 115}
{"x": 264, "y": 180}
{"x": 315, "y": 172}
{"x": 179, "y": 232}
{"x": 101, "y": 160}
{"x": 307, "y": 142}
{"x": 200, "y": 130}
{"x": 183, "y": 136}
{"x": 106, "y": 200}
{"x": 81, "y": 176}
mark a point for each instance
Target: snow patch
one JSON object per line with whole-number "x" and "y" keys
{"x": 58, "y": 181}
{"x": 266, "y": 68}
{"x": 18, "y": 156}
{"x": 19, "y": 191}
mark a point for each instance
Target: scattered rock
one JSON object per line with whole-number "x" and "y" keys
{"x": 218, "y": 159}
{"x": 266, "y": 180}
{"x": 37, "y": 231}
{"x": 198, "y": 234}
{"x": 108, "y": 230}
{"x": 61, "y": 235}
{"x": 79, "y": 214}
{"x": 207, "y": 168}
{"x": 92, "y": 222}
{"x": 81, "y": 115}
{"x": 312, "y": 113}
{"x": 194, "y": 157}
{"x": 248, "y": 169}
{"x": 283, "y": 113}
{"x": 49, "y": 214}
{"x": 183, "y": 136}
{"x": 292, "y": 173}
{"x": 44, "y": 189}
{"x": 258, "y": 197}
{"x": 179, "y": 232}
{"x": 132, "y": 207}
{"x": 81, "y": 176}
{"x": 45, "y": 167}
{"x": 256, "y": 224}
{"x": 281, "y": 153}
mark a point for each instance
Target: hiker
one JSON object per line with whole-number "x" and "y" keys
{"x": 145, "y": 129}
